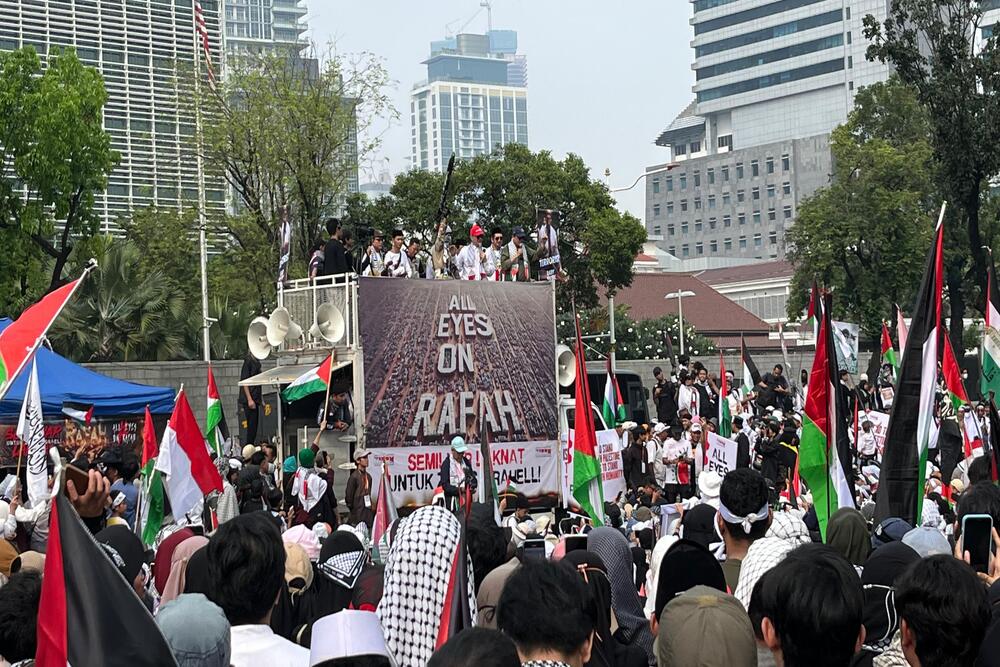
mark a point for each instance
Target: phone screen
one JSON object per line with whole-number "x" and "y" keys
{"x": 977, "y": 536}
{"x": 576, "y": 543}
{"x": 533, "y": 550}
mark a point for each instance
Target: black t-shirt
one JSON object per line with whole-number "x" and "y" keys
{"x": 334, "y": 258}
{"x": 251, "y": 367}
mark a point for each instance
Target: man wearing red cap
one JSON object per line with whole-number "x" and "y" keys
{"x": 470, "y": 259}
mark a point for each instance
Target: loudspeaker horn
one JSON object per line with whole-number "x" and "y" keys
{"x": 278, "y": 326}
{"x": 565, "y": 366}
{"x": 257, "y": 338}
{"x": 329, "y": 324}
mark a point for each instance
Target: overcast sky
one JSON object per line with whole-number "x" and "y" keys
{"x": 604, "y": 78}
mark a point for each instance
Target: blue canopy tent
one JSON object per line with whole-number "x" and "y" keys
{"x": 61, "y": 380}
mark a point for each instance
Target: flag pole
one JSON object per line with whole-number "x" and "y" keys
{"x": 206, "y": 322}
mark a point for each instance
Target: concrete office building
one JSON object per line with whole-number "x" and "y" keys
{"x": 773, "y": 78}
{"x": 138, "y": 47}
{"x": 253, "y": 26}
{"x": 475, "y": 98}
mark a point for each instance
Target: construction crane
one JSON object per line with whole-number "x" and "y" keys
{"x": 449, "y": 32}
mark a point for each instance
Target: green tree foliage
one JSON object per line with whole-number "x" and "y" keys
{"x": 167, "y": 242}
{"x": 122, "y": 313}
{"x": 285, "y": 135}
{"x": 504, "y": 189}
{"x": 634, "y": 340}
{"x": 931, "y": 45}
{"x": 866, "y": 235}
{"x": 54, "y": 158}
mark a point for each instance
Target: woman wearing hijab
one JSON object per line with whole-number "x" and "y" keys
{"x": 881, "y": 623}
{"x": 164, "y": 557}
{"x": 614, "y": 551}
{"x": 179, "y": 559}
{"x": 847, "y": 532}
{"x": 606, "y": 651}
{"x": 341, "y": 562}
{"x": 417, "y": 573}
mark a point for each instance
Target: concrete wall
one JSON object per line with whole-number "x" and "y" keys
{"x": 191, "y": 373}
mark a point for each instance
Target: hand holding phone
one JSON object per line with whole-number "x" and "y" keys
{"x": 977, "y": 541}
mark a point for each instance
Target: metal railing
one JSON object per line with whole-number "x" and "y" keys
{"x": 303, "y": 298}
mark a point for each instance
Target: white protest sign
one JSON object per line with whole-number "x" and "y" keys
{"x": 612, "y": 468}
{"x": 720, "y": 455}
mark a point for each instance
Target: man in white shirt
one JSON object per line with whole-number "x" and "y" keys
{"x": 246, "y": 570}
{"x": 867, "y": 446}
{"x": 397, "y": 263}
{"x": 471, "y": 258}
{"x": 675, "y": 448}
{"x": 491, "y": 267}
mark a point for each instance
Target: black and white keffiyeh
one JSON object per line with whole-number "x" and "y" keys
{"x": 342, "y": 558}
{"x": 416, "y": 580}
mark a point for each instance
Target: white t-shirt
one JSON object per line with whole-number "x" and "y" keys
{"x": 673, "y": 449}
{"x": 398, "y": 263}
{"x": 491, "y": 267}
{"x": 470, "y": 266}
{"x": 866, "y": 443}
{"x": 689, "y": 399}
{"x": 254, "y": 645}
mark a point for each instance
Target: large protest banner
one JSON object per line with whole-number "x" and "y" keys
{"x": 448, "y": 357}
{"x": 70, "y": 437}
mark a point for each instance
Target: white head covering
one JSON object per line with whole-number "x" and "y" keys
{"x": 346, "y": 634}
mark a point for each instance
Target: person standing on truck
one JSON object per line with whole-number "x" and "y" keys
{"x": 664, "y": 397}
{"x": 334, "y": 255}
{"x": 457, "y": 476}
{"x": 637, "y": 467}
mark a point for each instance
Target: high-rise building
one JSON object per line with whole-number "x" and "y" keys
{"x": 475, "y": 98}
{"x": 773, "y": 79}
{"x": 145, "y": 51}
{"x": 253, "y": 26}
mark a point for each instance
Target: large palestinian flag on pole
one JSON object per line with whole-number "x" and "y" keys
{"x": 19, "y": 340}
{"x": 88, "y": 613}
{"x": 824, "y": 452}
{"x": 888, "y": 353}
{"x": 216, "y": 430}
{"x": 613, "y": 409}
{"x": 991, "y": 337}
{"x": 588, "y": 489}
{"x": 751, "y": 376}
{"x": 904, "y": 461}
{"x": 725, "y": 419}
{"x": 312, "y": 381}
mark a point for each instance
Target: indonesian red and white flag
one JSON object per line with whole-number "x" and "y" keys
{"x": 184, "y": 460}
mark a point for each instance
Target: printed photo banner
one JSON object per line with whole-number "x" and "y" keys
{"x": 71, "y": 436}
{"x": 532, "y": 468}
{"x": 880, "y": 425}
{"x": 448, "y": 357}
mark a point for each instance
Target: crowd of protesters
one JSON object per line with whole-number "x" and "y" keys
{"x": 686, "y": 567}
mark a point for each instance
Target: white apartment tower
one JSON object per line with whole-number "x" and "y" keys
{"x": 475, "y": 99}
{"x": 253, "y": 26}
{"x": 145, "y": 51}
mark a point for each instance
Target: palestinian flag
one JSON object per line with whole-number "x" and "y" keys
{"x": 613, "y": 410}
{"x": 751, "y": 376}
{"x": 953, "y": 376}
{"x": 588, "y": 488}
{"x": 824, "y": 453}
{"x": 216, "y": 430}
{"x": 184, "y": 460}
{"x": 88, "y": 614}
{"x": 725, "y": 419}
{"x": 312, "y": 381}
{"x": 991, "y": 337}
{"x": 888, "y": 353}
{"x": 488, "y": 493}
{"x": 911, "y": 423}
{"x": 901, "y": 329}
{"x": 456, "y": 614}
{"x": 385, "y": 514}
{"x": 19, "y": 340}
{"x": 151, "y": 514}
{"x": 81, "y": 412}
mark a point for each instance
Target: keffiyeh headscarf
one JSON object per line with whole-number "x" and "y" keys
{"x": 790, "y": 528}
{"x": 416, "y": 580}
{"x": 342, "y": 558}
{"x": 614, "y": 551}
{"x": 762, "y": 555}
{"x": 878, "y": 582}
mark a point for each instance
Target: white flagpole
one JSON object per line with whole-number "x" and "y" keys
{"x": 203, "y": 252}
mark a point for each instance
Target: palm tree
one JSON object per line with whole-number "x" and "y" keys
{"x": 115, "y": 316}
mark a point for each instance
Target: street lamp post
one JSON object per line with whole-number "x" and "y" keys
{"x": 680, "y": 295}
